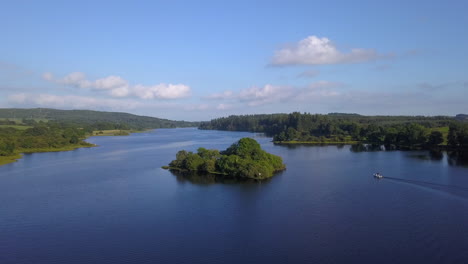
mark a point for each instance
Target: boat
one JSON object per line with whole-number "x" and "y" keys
{"x": 378, "y": 175}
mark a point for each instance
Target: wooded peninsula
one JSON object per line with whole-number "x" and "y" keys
{"x": 395, "y": 132}
{"x": 49, "y": 130}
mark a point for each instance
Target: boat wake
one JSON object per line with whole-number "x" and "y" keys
{"x": 429, "y": 184}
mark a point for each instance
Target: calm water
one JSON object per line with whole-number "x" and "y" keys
{"x": 113, "y": 204}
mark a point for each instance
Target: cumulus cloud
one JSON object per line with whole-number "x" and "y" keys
{"x": 86, "y": 102}
{"x": 110, "y": 82}
{"x": 165, "y": 91}
{"x": 224, "y": 106}
{"x": 70, "y": 102}
{"x": 116, "y": 86}
{"x": 315, "y": 51}
{"x": 263, "y": 95}
{"x": 268, "y": 94}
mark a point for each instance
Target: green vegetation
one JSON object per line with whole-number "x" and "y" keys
{"x": 396, "y": 132}
{"x": 458, "y": 135}
{"x": 45, "y": 130}
{"x": 19, "y": 127}
{"x": 242, "y": 160}
{"x": 43, "y": 137}
{"x": 9, "y": 159}
{"x": 113, "y": 132}
{"x": 86, "y": 118}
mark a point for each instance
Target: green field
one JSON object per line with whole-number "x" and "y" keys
{"x": 20, "y": 120}
{"x": 19, "y": 127}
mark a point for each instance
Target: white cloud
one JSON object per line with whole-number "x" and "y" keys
{"x": 70, "y": 102}
{"x": 314, "y": 51}
{"x": 76, "y": 79}
{"x": 224, "y": 107}
{"x": 197, "y": 107}
{"x": 269, "y": 94}
{"x": 266, "y": 94}
{"x": 119, "y": 87}
{"x": 110, "y": 82}
{"x": 120, "y": 91}
{"x": 163, "y": 91}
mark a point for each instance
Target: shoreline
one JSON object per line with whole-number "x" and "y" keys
{"x": 316, "y": 142}
{"x": 399, "y": 148}
{"x": 20, "y": 152}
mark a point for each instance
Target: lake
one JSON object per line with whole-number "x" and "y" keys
{"x": 114, "y": 204}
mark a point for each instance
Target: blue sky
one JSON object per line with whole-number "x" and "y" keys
{"x": 196, "y": 60}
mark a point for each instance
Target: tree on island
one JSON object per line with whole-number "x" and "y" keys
{"x": 244, "y": 159}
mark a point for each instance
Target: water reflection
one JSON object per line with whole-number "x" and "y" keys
{"x": 454, "y": 158}
{"x": 207, "y": 179}
{"x": 366, "y": 148}
{"x": 434, "y": 155}
{"x": 299, "y": 145}
{"x": 458, "y": 158}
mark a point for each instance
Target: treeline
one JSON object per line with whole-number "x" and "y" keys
{"x": 42, "y": 136}
{"x": 458, "y": 135}
{"x": 7, "y": 122}
{"x": 393, "y": 131}
{"x": 243, "y": 160}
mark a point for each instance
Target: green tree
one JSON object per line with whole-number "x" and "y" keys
{"x": 435, "y": 138}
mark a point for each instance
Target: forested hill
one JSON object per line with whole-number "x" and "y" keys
{"x": 461, "y": 117}
{"x": 88, "y": 117}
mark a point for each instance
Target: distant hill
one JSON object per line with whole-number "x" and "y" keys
{"x": 88, "y": 117}
{"x": 344, "y": 114}
{"x": 461, "y": 117}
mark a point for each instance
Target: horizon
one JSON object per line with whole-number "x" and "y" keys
{"x": 160, "y": 117}
{"x": 204, "y": 60}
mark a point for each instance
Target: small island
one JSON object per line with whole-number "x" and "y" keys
{"x": 244, "y": 159}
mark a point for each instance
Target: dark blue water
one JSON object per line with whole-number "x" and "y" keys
{"x": 113, "y": 204}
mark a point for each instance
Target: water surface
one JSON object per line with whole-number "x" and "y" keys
{"x": 113, "y": 204}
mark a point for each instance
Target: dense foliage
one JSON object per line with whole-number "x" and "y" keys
{"x": 394, "y": 131}
{"x": 107, "y": 120}
{"x": 458, "y": 135}
{"x": 244, "y": 159}
{"x": 42, "y": 136}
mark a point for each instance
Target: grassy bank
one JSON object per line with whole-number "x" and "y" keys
{"x": 13, "y": 158}
{"x": 117, "y": 132}
{"x": 9, "y": 159}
